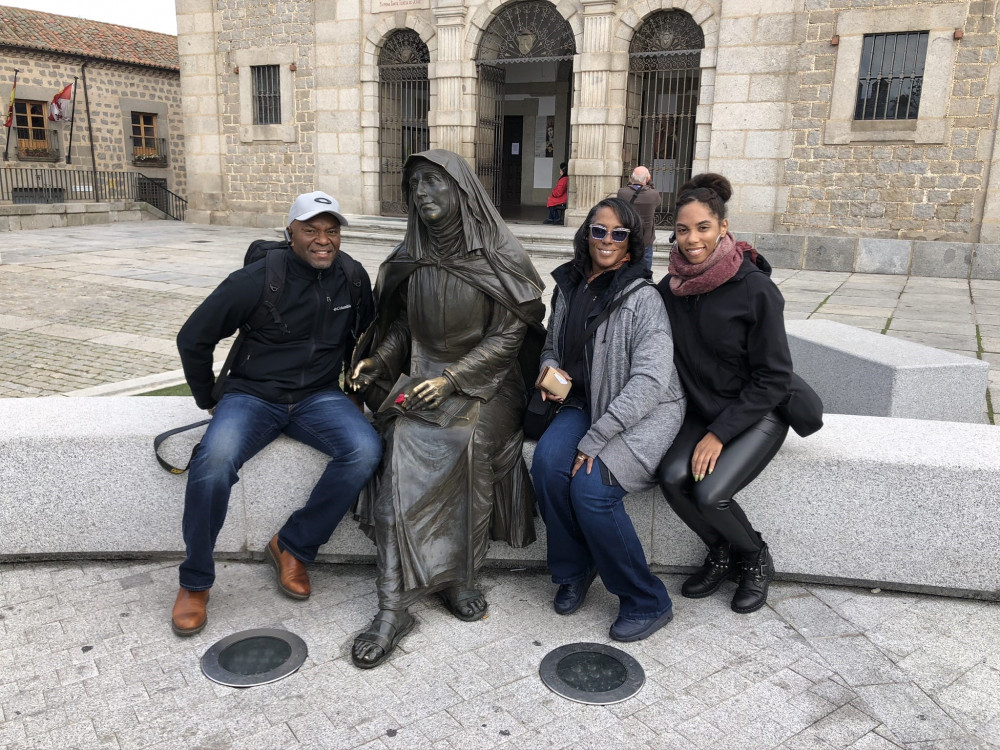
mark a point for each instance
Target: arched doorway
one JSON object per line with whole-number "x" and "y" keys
{"x": 404, "y": 97}
{"x": 664, "y": 81}
{"x": 525, "y": 67}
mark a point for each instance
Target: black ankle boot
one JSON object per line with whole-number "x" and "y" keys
{"x": 756, "y": 572}
{"x": 718, "y": 566}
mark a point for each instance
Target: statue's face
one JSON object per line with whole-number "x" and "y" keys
{"x": 434, "y": 194}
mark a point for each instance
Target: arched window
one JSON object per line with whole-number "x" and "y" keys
{"x": 662, "y": 98}
{"x": 404, "y": 96}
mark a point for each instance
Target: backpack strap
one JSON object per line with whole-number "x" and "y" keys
{"x": 158, "y": 440}
{"x": 274, "y": 284}
{"x": 354, "y": 285}
{"x": 635, "y": 194}
{"x": 602, "y": 316}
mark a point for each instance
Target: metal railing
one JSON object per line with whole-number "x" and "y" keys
{"x": 38, "y": 145}
{"x": 149, "y": 152}
{"x": 42, "y": 185}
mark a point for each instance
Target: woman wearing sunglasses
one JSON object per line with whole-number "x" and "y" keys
{"x": 609, "y": 337}
{"x": 732, "y": 355}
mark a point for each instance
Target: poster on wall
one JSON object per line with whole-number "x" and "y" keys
{"x": 545, "y": 131}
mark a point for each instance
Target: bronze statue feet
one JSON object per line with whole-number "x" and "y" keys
{"x": 467, "y": 605}
{"x": 373, "y": 646}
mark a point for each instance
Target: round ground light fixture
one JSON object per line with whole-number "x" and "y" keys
{"x": 254, "y": 657}
{"x": 592, "y": 673}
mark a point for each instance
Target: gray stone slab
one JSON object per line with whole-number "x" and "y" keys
{"x": 865, "y": 373}
{"x": 781, "y": 250}
{"x": 883, "y": 256}
{"x": 946, "y": 341}
{"x": 80, "y": 479}
{"x": 909, "y": 712}
{"x": 986, "y": 262}
{"x": 942, "y": 259}
{"x": 94, "y": 484}
{"x": 830, "y": 253}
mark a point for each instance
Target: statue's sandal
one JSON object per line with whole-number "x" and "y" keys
{"x": 455, "y": 599}
{"x": 386, "y": 630}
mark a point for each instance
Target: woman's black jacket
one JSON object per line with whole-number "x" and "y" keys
{"x": 730, "y": 348}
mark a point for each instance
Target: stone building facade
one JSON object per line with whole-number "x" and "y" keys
{"x": 127, "y": 83}
{"x": 766, "y": 93}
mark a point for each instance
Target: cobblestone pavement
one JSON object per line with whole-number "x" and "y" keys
{"x": 82, "y": 307}
{"x": 87, "y": 660}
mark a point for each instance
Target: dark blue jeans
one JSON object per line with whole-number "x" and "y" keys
{"x": 586, "y": 524}
{"x": 241, "y": 426}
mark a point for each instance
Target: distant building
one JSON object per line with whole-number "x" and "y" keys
{"x": 127, "y": 115}
{"x": 866, "y": 118}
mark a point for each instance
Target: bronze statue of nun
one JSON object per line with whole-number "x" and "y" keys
{"x": 458, "y": 303}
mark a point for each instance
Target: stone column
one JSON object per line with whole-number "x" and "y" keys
{"x": 452, "y": 115}
{"x": 751, "y": 112}
{"x": 598, "y": 115}
{"x": 201, "y": 106}
{"x": 337, "y": 101}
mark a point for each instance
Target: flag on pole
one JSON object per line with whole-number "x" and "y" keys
{"x": 10, "y": 107}
{"x": 59, "y": 108}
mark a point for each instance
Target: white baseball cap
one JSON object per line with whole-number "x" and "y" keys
{"x": 313, "y": 204}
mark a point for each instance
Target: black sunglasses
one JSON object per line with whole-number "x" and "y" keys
{"x": 599, "y": 232}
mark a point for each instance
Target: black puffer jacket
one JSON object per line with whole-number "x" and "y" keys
{"x": 281, "y": 366}
{"x": 730, "y": 348}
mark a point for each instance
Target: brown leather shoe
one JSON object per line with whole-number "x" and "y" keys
{"x": 189, "y": 615}
{"x": 292, "y": 576}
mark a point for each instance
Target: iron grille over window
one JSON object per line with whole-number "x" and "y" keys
{"x": 404, "y": 97}
{"x": 891, "y": 76}
{"x": 266, "y": 95}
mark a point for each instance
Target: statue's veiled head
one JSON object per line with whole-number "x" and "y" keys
{"x": 433, "y": 193}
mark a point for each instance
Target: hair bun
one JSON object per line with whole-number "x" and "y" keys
{"x": 712, "y": 181}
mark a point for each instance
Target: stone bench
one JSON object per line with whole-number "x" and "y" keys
{"x": 868, "y": 374}
{"x": 897, "y": 503}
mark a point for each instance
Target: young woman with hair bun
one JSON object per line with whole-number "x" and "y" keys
{"x": 732, "y": 355}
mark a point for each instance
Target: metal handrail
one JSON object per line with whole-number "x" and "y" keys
{"x": 43, "y": 185}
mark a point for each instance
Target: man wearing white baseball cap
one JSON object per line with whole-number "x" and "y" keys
{"x": 285, "y": 379}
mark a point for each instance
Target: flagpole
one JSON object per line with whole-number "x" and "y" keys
{"x": 6, "y": 147}
{"x": 72, "y": 119}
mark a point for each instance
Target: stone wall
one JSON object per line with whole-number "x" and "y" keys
{"x": 775, "y": 111}
{"x": 901, "y": 188}
{"x": 115, "y": 90}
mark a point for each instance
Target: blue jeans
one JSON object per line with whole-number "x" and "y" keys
{"x": 586, "y": 524}
{"x": 241, "y": 426}
{"x": 648, "y": 258}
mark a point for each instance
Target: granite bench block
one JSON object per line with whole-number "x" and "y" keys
{"x": 781, "y": 250}
{"x": 80, "y": 477}
{"x": 942, "y": 259}
{"x": 883, "y": 256}
{"x": 866, "y": 373}
{"x": 870, "y": 499}
{"x": 986, "y": 262}
{"x": 830, "y": 253}
{"x": 889, "y": 502}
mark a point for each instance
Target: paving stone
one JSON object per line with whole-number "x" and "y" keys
{"x": 909, "y": 713}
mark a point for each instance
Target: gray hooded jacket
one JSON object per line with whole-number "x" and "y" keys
{"x": 636, "y": 400}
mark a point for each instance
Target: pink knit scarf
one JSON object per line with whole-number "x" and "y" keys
{"x": 688, "y": 279}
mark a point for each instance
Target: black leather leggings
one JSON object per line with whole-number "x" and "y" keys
{"x": 708, "y": 506}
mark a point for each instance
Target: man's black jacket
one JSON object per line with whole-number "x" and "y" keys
{"x": 278, "y": 365}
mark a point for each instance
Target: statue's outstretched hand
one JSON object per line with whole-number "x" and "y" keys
{"x": 364, "y": 374}
{"x": 430, "y": 393}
